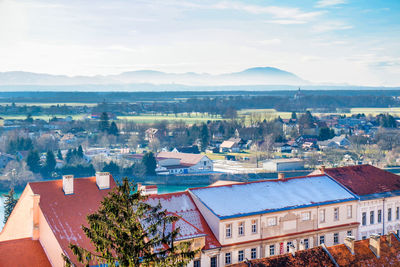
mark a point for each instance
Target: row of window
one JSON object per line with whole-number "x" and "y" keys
{"x": 272, "y": 221}
{"x": 240, "y": 256}
{"x": 379, "y": 216}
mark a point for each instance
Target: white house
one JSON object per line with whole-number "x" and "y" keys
{"x": 182, "y": 163}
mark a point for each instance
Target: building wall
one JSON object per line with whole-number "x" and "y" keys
{"x": 49, "y": 242}
{"x": 385, "y": 225}
{"x": 20, "y": 222}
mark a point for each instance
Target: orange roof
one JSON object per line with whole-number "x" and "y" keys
{"x": 313, "y": 257}
{"x": 365, "y": 179}
{"x": 186, "y": 158}
{"x": 66, "y": 214}
{"x": 363, "y": 255}
{"x": 22, "y": 252}
{"x": 191, "y": 223}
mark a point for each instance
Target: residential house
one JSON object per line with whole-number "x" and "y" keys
{"x": 267, "y": 218}
{"x": 182, "y": 163}
{"x": 229, "y": 146}
{"x": 379, "y": 192}
{"x": 51, "y": 214}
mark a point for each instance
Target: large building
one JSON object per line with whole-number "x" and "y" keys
{"x": 183, "y": 163}
{"x": 379, "y": 193}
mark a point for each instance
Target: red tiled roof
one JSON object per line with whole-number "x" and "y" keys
{"x": 191, "y": 222}
{"x": 22, "y": 252}
{"x": 66, "y": 214}
{"x": 365, "y": 179}
{"x": 363, "y": 255}
{"x": 313, "y": 257}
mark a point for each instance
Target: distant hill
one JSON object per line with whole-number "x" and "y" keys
{"x": 252, "y": 76}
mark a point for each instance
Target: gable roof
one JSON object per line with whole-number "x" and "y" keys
{"x": 191, "y": 221}
{"x": 237, "y": 200}
{"x": 365, "y": 179}
{"x": 23, "y": 252}
{"x": 65, "y": 214}
{"x": 185, "y": 158}
{"x": 228, "y": 144}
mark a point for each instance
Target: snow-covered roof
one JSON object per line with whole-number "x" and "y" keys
{"x": 245, "y": 199}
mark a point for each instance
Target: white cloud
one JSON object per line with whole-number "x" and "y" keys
{"x": 286, "y": 21}
{"x": 331, "y": 26}
{"x": 274, "y": 41}
{"x": 327, "y": 3}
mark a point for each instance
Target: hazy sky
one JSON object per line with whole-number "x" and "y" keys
{"x": 332, "y": 41}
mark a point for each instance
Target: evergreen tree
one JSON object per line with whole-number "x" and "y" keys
{"x": 50, "y": 161}
{"x": 204, "y": 137}
{"x": 294, "y": 115}
{"x": 104, "y": 122}
{"x": 9, "y": 203}
{"x": 33, "y": 161}
{"x": 112, "y": 168}
{"x": 59, "y": 155}
{"x": 149, "y": 161}
{"x": 69, "y": 155}
{"x": 79, "y": 152}
{"x": 127, "y": 231}
{"x": 113, "y": 129}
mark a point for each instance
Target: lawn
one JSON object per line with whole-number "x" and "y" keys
{"x": 185, "y": 117}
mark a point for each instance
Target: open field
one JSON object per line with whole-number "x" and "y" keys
{"x": 49, "y": 104}
{"x": 185, "y": 117}
{"x": 42, "y": 117}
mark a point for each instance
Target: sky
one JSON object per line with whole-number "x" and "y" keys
{"x": 323, "y": 41}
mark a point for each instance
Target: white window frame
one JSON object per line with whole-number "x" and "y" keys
{"x": 271, "y": 221}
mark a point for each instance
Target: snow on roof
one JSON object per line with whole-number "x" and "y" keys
{"x": 191, "y": 222}
{"x": 244, "y": 199}
{"x": 186, "y": 158}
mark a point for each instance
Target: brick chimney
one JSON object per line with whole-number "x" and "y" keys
{"x": 281, "y": 175}
{"x": 322, "y": 169}
{"x": 375, "y": 244}
{"x": 349, "y": 242}
{"x": 389, "y": 238}
{"x": 68, "y": 184}
{"x": 103, "y": 180}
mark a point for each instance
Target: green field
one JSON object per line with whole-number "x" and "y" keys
{"x": 185, "y": 117}
{"x": 49, "y": 104}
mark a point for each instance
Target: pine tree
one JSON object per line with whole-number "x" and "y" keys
{"x": 9, "y": 204}
{"x": 33, "y": 161}
{"x": 204, "y": 137}
{"x": 69, "y": 155}
{"x": 127, "y": 231}
{"x": 79, "y": 152}
{"x": 113, "y": 129}
{"x": 104, "y": 123}
{"x": 50, "y": 161}
{"x": 59, "y": 155}
{"x": 149, "y": 161}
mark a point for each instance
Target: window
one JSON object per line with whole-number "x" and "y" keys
{"x": 240, "y": 255}
{"x": 336, "y": 214}
{"x": 371, "y": 217}
{"x": 213, "y": 261}
{"x": 271, "y": 221}
{"x": 228, "y": 259}
{"x": 349, "y": 233}
{"x": 196, "y": 263}
{"x": 205, "y": 163}
{"x": 389, "y": 214}
{"x": 397, "y": 213}
{"x": 364, "y": 237}
{"x": 349, "y": 211}
{"x": 253, "y": 253}
{"x": 241, "y": 228}
{"x": 398, "y": 233}
{"x": 306, "y": 245}
{"x": 336, "y": 238}
{"x": 288, "y": 245}
{"x": 228, "y": 231}
{"x": 254, "y": 226}
{"x": 306, "y": 216}
{"x": 322, "y": 216}
{"x": 364, "y": 218}
{"x": 379, "y": 216}
{"x": 321, "y": 239}
{"x": 271, "y": 250}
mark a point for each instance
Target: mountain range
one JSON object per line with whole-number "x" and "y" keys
{"x": 252, "y": 76}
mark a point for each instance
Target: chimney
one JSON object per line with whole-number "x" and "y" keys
{"x": 281, "y": 175}
{"x": 103, "y": 180}
{"x": 292, "y": 250}
{"x": 349, "y": 242}
{"x": 389, "y": 238}
{"x": 375, "y": 244}
{"x": 68, "y": 184}
{"x": 322, "y": 169}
